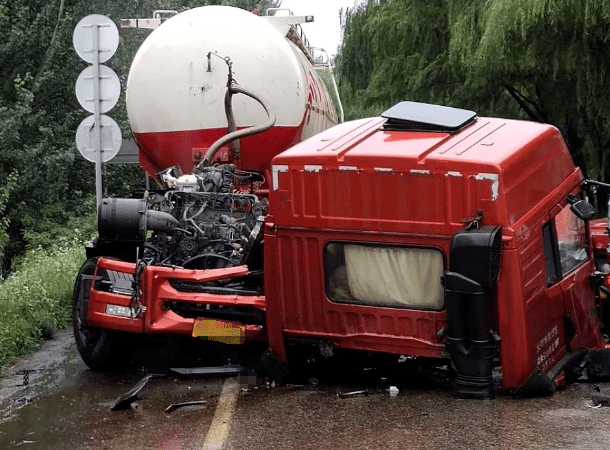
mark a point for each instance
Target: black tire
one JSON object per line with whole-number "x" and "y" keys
{"x": 101, "y": 350}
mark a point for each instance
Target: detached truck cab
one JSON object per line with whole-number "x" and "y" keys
{"x": 435, "y": 233}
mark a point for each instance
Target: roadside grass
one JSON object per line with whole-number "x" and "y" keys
{"x": 36, "y": 299}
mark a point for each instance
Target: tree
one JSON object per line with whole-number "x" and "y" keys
{"x": 545, "y": 60}
{"x": 5, "y": 192}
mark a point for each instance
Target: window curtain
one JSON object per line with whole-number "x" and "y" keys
{"x": 392, "y": 276}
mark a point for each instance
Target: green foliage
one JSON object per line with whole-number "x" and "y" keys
{"x": 545, "y": 60}
{"x": 5, "y": 192}
{"x": 356, "y": 55}
{"x": 248, "y": 5}
{"x": 47, "y": 235}
{"x": 326, "y": 77}
{"x": 36, "y": 299}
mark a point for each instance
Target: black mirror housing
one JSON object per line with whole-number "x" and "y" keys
{"x": 583, "y": 209}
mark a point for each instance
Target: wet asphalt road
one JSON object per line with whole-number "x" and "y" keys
{"x": 66, "y": 406}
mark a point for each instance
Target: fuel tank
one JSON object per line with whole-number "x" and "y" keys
{"x": 178, "y": 80}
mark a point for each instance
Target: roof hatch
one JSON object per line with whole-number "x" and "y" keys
{"x": 414, "y": 116}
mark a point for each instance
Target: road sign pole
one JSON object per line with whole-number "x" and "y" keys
{"x": 98, "y": 137}
{"x": 95, "y": 39}
{"x": 97, "y": 123}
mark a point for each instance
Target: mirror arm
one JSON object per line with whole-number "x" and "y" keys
{"x": 587, "y": 183}
{"x": 592, "y": 186}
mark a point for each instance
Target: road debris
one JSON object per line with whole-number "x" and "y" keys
{"x": 598, "y": 398}
{"x": 125, "y": 400}
{"x": 26, "y": 377}
{"x": 343, "y": 395}
{"x": 175, "y": 406}
{"x": 215, "y": 371}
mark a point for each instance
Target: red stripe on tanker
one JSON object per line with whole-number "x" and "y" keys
{"x": 175, "y": 92}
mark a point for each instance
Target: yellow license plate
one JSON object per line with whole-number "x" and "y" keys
{"x": 219, "y": 331}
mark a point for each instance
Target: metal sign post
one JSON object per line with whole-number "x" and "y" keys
{"x": 96, "y": 113}
{"x": 98, "y": 137}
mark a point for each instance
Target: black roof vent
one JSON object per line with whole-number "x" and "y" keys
{"x": 413, "y": 116}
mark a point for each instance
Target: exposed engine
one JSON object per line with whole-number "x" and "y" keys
{"x": 199, "y": 222}
{"x": 216, "y": 227}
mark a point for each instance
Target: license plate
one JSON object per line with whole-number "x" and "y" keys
{"x": 219, "y": 331}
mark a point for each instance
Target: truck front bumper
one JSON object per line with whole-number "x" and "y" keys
{"x": 165, "y": 300}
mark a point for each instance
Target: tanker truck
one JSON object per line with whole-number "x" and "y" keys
{"x": 429, "y": 234}
{"x": 213, "y": 94}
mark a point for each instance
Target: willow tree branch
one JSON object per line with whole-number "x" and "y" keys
{"x": 51, "y": 49}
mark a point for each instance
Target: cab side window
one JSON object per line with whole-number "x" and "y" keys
{"x": 565, "y": 244}
{"x": 571, "y": 239}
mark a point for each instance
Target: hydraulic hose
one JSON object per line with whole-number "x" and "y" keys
{"x": 237, "y": 89}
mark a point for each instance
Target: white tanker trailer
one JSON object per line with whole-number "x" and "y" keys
{"x": 178, "y": 81}
{"x": 213, "y": 94}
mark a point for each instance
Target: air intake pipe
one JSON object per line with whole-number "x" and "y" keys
{"x": 129, "y": 219}
{"x": 474, "y": 267}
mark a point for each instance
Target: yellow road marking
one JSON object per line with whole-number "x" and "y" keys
{"x": 219, "y": 430}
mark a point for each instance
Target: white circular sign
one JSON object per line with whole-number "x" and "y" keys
{"x": 110, "y": 136}
{"x": 107, "y": 41}
{"x": 110, "y": 89}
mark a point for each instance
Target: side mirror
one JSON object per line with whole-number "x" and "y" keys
{"x": 582, "y": 208}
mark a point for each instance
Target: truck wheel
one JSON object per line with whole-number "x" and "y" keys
{"x": 100, "y": 350}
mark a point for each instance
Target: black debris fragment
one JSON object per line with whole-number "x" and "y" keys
{"x": 125, "y": 400}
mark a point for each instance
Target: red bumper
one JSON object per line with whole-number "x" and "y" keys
{"x": 160, "y": 300}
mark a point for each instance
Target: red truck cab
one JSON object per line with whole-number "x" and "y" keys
{"x": 431, "y": 232}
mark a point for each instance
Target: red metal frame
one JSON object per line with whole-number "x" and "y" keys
{"x": 156, "y": 290}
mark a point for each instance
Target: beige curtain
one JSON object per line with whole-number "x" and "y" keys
{"x": 393, "y": 276}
